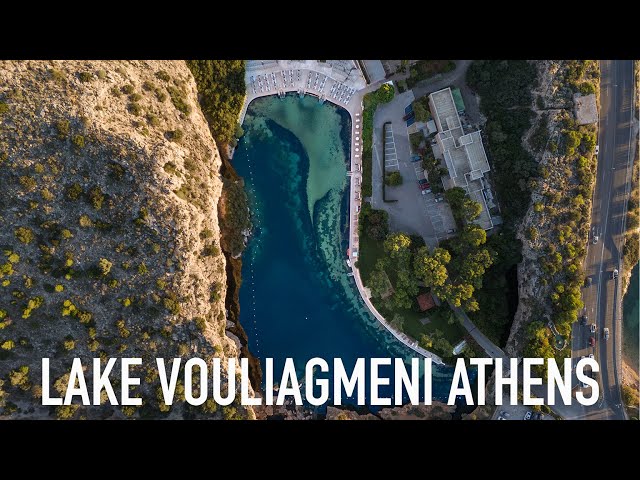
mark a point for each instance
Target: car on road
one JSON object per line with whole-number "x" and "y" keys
{"x": 597, "y": 149}
{"x": 451, "y": 230}
{"x": 426, "y": 190}
{"x": 606, "y": 333}
{"x": 588, "y": 281}
{"x": 591, "y": 356}
{"x": 595, "y": 239}
{"x": 583, "y": 320}
{"x": 592, "y": 328}
{"x": 592, "y": 341}
{"x": 527, "y": 416}
{"x": 614, "y": 274}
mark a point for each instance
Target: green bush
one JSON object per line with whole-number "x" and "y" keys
{"x": 135, "y": 108}
{"x": 57, "y": 75}
{"x": 24, "y": 234}
{"x": 96, "y": 197}
{"x": 393, "y": 179}
{"x": 28, "y": 183}
{"x": 78, "y": 141}
{"x": 128, "y": 89}
{"x": 162, "y": 75}
{"x": 104, "y": 266}
{"x": 63, "y": 127}
{"x": 177, "y": 135}
{"x": 85, "y": 76}
{"x": 179, "y": 100}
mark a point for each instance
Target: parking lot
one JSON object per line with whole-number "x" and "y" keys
{"x": 436, "y": 208}
{"x": 517, "y": 412}
{"x": 412, "y": 212}
{"x": 390, "y": 153}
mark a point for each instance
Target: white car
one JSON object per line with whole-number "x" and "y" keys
{"x": 591, "y": 356}
{"x": 597, "y": 149}
{"x": 593, "y": 328}
{"x": 606, "y": 334}
{"x": 595, "y": 239}
{"x": 614, "y": 274}
{"x": 527, "y": 416}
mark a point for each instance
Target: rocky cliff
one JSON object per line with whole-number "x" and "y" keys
{"x": 110, "y": 243}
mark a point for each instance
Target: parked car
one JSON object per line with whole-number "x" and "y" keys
{"x": 438, "y": 199}
{"x": 591, "y": 356}
{"x": 595, "y": 239}
{"x": 614, "y": 274}
{"x": 451, "y": 230}
{"x": 592, "y": 328}
{"x": 423, "y": 180}
{"x": 589, "y": 281}
{"x": 424, "y": 186}
{"x": 426, "y": 190}
{"x": 527, "y": 416}
{"x": 592, "y": 341}
{"x": 606, "y": 333}
{"x": 597, "y": 149}
{"x": 416, "y": 158}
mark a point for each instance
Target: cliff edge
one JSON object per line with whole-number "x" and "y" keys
{"x": 110, "y": 243}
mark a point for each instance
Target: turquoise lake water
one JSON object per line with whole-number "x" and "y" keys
{"x": 631, "y": 314}
{"x": 296, "y": 299}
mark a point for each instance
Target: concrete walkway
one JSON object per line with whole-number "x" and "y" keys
{"x": 487, "y": 345}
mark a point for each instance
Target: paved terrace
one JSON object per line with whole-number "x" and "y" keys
{"x": 342, "y": 83}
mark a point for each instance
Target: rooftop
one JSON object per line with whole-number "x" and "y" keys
{"x": 463, "y": 153}
{"x": 426, "y": 302}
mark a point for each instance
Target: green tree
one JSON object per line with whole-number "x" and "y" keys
{"x": 471, "y": 209}
{"x": 397, "y": 245}
{"x": 397, "y": 322}
{"x": 420, "y": 110}
{"x": 431, "y": 268}
{"x": 378, "y": 282}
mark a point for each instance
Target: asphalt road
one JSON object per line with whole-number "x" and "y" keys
{"x": 616, "y": 139}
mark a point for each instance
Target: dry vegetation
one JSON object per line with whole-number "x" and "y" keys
{"x": 110, "y": 246}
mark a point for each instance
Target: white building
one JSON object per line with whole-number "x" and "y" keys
{"x": 463, "y": 153}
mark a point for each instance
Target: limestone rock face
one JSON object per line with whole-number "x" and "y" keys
{"x": 110, "y": 246}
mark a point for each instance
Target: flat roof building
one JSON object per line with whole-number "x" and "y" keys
{"x": 463, "y": 153}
